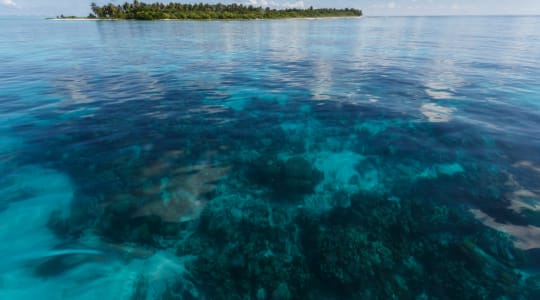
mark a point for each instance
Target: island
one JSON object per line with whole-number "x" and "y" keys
{"x": 179, "y": 11}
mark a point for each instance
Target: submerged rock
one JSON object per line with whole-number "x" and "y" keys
{"x": 118, "y": 223}
{"x": 300, "y": 176}
{"x": 292, "y": 177}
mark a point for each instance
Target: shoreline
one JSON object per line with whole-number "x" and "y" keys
{"x": 263, "y": 19}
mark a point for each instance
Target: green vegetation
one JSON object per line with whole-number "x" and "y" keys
{"x": 66, "y": 17}
{"x": 155, "y": 11}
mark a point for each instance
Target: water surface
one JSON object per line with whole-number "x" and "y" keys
{"x": 369, "y": 158}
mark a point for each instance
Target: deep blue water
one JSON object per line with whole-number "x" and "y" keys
{"x": 371, "y": 158}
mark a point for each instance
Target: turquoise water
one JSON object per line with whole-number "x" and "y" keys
{"x": 372, "y": 158}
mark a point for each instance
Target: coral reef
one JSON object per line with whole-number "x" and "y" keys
{"x": 246, "y": 248}
{"x": 381, "y": 248}
{"x": 309, "y": 206}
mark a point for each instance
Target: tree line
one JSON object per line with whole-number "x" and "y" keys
{"x": 155, "y": 11}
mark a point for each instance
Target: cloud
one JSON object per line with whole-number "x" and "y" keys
{"x": 258, "y": 2}
{"x": 297, "y": 4}
{"x": 276, "y": 4}
{"x": 9, "y": 3}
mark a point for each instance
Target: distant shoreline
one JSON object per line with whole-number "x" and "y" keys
{"x": 203, "y": 20}
{"x": 206, "y": 11}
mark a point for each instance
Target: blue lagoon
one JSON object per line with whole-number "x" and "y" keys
{"x": 367, "y": 158}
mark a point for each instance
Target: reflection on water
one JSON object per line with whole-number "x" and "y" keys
{"x": 436, "y": 113}
{"x": 338, "y": 159}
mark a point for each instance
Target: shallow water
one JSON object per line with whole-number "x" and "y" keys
{"x": 369, "y": 158}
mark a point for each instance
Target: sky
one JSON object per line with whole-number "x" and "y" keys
{"x": 370, "y": 7}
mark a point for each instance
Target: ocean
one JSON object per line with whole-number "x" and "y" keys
{"x": 354, "y": 158}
